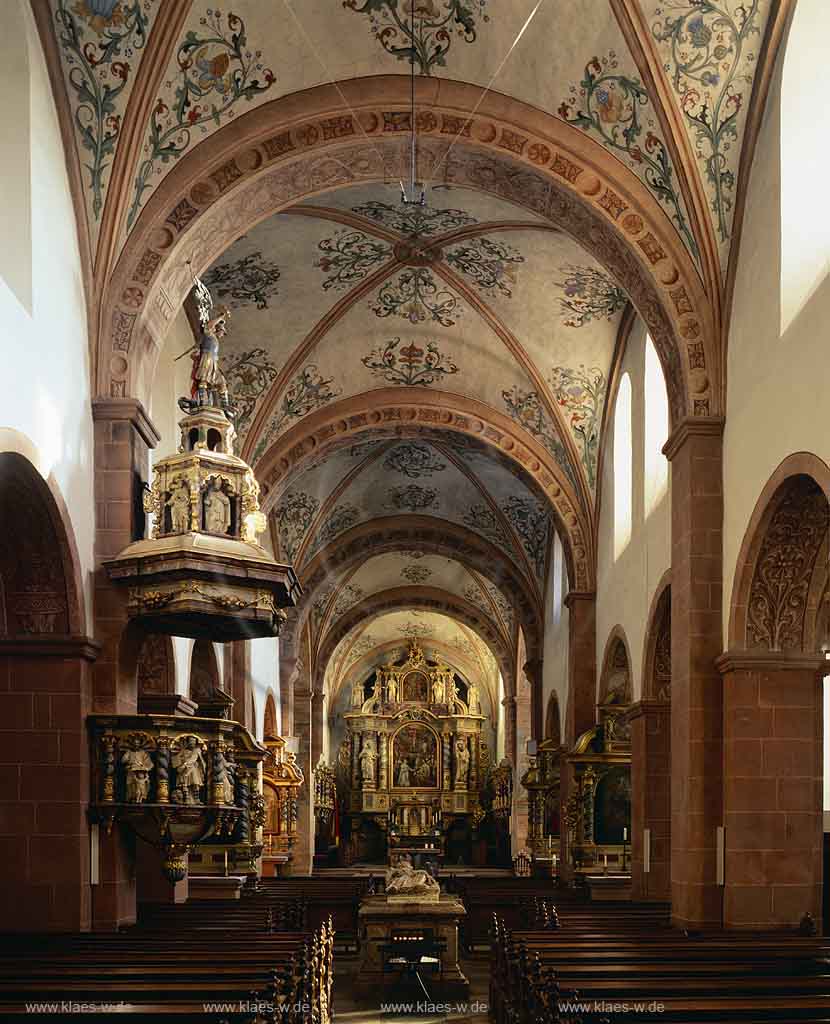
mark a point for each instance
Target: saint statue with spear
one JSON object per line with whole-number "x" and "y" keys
{"x": 208, "y": 384}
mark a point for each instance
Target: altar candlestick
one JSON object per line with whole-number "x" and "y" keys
{"x": 625, "y": 835}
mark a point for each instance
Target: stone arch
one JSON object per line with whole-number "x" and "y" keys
{"x": 429, "y": 599}
{"x": 553, "y": 722}
{"x": 381, "y": 536}
{"x": 204, "y": 672}
{"x": 44, "y": 662}
{"x": 615, "y": 684}
{"x": 397, "y": 412}
{"x": 155, "y": 669}
{"x": 656, "y": 680}
{"x": 780, "y": 577}
{"x": 287, "y": 150}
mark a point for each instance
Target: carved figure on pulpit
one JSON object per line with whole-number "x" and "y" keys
{"x": 190, "y": 772}
{"x": 368, "y": 759}
{"x": 179, "y": 505}
{"x": 138, "y": 765}
{"x": 217, "y": 510}
{"x": 462, "y": 763}
{"x": 403, "y": 880}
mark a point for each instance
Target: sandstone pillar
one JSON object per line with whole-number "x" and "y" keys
{"x": 580, "y": 713}
{"x": 772, "y": 788}
{"x": 695, "y": 450}
{"x": 124, "y": 436}
{"x": 650, "y": 799}
{"x": 303, "y": 858}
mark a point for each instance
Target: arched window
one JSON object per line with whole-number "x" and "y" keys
{"x": 805, "y": 224}
{"x": 623, "y": 476}
{"x": 656, "y": 468}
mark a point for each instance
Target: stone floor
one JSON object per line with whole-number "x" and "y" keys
{"x": 347, "y": 1011}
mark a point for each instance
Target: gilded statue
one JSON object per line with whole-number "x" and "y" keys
{"x": 190, "y": 772}
{"x": 138, "y": 765}
{"x": 438, "y": 690}
{"x": 217, "y": 510}
{"x": 179, "y": 505}
{"x": 473, "y": 701}
{"x": 462, "y": 763}
{"x": 368, "y": 758}
{"x": 392, "y": 690}
{"x": 403, "y": 880}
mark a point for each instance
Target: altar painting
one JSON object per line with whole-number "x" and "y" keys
{"x": 416, "y": 687}
{"x": 415, "y": 757}
{"x": 612, "y": 806}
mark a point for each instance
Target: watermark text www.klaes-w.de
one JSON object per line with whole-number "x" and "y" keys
{"x": 74, "y": 1006}
{"x": 609, "y": 1006}
{"x": 426, "y": 1007}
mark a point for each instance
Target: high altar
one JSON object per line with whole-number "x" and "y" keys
{"x": 416, "y": 754}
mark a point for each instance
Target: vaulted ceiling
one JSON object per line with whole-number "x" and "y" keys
{"x": 421, "y": 390}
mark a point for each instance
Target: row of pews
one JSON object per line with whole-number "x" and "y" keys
{"x": 227, "y": 962}
{"x": 574, "y": 963}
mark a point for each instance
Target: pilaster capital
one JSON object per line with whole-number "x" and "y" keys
{"x": 129, "y": 409}
{"x": 692, "y": 426}
{"x": 49, "y": 645}
{"x": 771, "y": 661}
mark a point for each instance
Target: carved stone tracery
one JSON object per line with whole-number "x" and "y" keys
{"x": 781, "y": 580}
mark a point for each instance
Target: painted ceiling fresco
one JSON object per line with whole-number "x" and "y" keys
{"x": 505, "y": 310}
{"x": 572, "y": 62}
{"x": 469, "y": 302}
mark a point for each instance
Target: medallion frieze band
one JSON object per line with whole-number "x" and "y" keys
{"x": 647, "y": 270}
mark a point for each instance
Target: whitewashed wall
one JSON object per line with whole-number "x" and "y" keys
{"x": 45, "y": 395}
{"x": 626, "y": 585}
{"x": 777, "y": 382}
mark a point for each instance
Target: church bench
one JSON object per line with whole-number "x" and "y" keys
{"x": 537, "y": 974}
{"x": 149, "y": 969}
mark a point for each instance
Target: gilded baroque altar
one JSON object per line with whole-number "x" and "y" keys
{"x": 414, "y": 747}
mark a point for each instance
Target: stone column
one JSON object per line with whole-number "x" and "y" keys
{"x": 772, "y": 788}
{"x": 383, "y": 754}
{"x": 509, "y": 705}
{"x": 580, "y": 713}
{"x": 582, "y": 664}
{"x": 355, "y": 739}
{"x": 303, "y": 716}
{"x": 317, "y": 726}
{"x": 446, "y": 761}
{"x": 695, "y": 450}
{"x": 650, "y": 798}
{"x": 123, "y": 437}
{"x": 533, "y": 671}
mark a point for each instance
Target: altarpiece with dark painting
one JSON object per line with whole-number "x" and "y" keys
{"x": 414, "y": 766}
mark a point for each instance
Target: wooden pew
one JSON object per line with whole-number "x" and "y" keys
{"x": 606, "y": 964}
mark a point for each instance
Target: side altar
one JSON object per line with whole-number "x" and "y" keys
{"x": 417, "y": 758}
